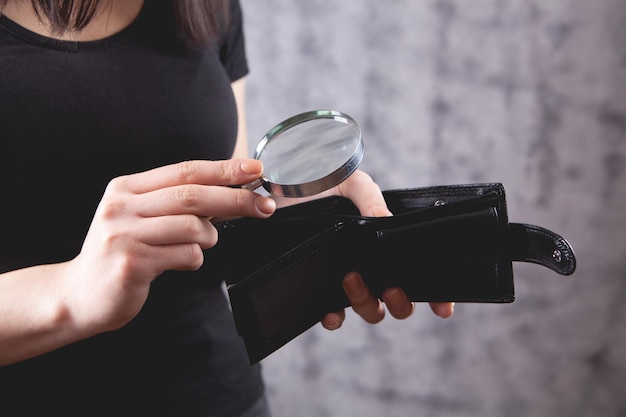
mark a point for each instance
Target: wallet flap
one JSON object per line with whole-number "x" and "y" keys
{"x": 531, "y": 243}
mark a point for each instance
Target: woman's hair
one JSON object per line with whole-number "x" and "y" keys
{"x": 199, "y": 20}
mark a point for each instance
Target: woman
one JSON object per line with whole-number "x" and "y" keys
{"x": 122, "y": 126}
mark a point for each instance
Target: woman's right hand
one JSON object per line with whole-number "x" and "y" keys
{"x": 148, "y": 223}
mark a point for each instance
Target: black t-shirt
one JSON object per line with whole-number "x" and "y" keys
{"x": 74, "y": 115}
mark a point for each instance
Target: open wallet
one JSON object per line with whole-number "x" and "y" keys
{"x": 444, "y": 243}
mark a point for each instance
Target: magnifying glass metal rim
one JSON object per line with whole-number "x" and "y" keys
{"x": 321, "y": 184}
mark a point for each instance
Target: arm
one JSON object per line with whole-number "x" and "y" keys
{"x": 34, "y": 317}
{"x": 241, "y": 147}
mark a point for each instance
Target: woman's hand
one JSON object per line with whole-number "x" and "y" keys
{"x": 367, "y": 196}
{"x": 151, "y": 222}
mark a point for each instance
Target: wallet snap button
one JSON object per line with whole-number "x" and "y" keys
{"x": 439, "y": 203}
{"x": 556, "y": 255}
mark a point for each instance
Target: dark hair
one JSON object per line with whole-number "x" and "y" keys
{"x": 199, "y": 20}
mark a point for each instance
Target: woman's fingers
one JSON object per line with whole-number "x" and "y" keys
{"x": 226, "y": 172}
{"x": 333, "y": 321}
{"x": 365, "y": 194}
{"x": 182, "y": 257}
{"x": 213, "y": 201}
{"x": 173, "y": 230}
{"x": 398, "y": 303}
{"x": 193, "y": 187}
{"x": 443, "y": 310}
{"x": 366, "y": 305}
{"x": 362, "y": 300}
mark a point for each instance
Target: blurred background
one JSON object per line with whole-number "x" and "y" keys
{"x": 529, "y": 93}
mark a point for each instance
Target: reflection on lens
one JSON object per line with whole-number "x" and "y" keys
{"x": 309, "y": 151}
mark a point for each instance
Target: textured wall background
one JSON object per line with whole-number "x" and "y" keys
{"x": 530, "y": 93}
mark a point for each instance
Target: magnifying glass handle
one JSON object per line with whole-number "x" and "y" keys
{"x": 253, "y": 185}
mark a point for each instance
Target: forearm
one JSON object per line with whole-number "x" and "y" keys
{"x": 34, "y": 314}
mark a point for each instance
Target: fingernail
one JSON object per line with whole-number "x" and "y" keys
{"x": 352, "y": 283}
{"x": 392, "y": 297}
{"x": 265, "y": 205}
{"x": 381, "y": 211}
{"x": 447, "y": 313}
{"x": 251, "y": 166}
{"x": 333, "y": 325}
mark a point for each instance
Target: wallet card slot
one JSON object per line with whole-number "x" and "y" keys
{"x": 406, "y": 200}
{"x": 459, "y": 257}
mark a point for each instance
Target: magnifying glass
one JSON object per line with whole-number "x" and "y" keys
{"x": 309, "y": 153}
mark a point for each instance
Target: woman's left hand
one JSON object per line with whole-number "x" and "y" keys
{"x": 367, "y": 196}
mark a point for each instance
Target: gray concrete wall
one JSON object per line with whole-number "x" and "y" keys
{"x": 528, "y": 93}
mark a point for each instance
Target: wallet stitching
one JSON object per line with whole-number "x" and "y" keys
{"x": 290, "y": 259}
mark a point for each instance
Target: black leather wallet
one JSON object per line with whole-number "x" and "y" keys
{"x": 446, "y": 243}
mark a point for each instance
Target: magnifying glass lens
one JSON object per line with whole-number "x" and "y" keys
{"x": 309, "y": 151}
